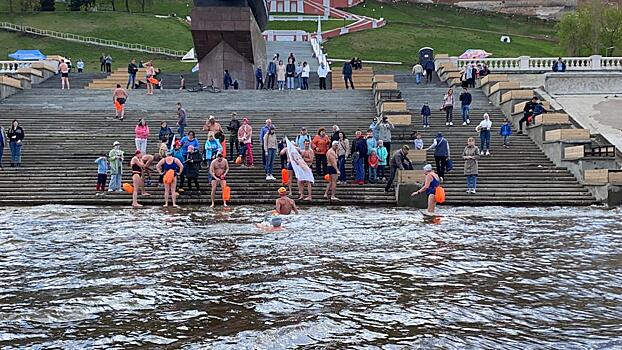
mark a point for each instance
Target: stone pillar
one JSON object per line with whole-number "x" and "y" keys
{"x": 523, "y": 63}
{"x": 227, "y": 37}
{"x": 596, "y": 62}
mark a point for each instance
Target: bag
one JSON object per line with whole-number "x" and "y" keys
{"x": 450, "y": 165}
{"x": 169, "y": 176}
{"x": 238, "y": 160}
{"x": 439, "y": 195}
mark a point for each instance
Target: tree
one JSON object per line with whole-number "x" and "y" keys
{"x": 113, "y": 5}
{"x": 29, "y": 5}
{"x": 590, "y": 30}
{"x": 46, "y": 5}
{"x": 611, "y": 31}
{"x": 76, "y": 5}
{"x": 127, "y": 6}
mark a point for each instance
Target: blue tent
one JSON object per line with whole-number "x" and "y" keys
{"x": 27, "y": 55}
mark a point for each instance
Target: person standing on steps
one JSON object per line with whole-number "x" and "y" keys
{"x": 149, "y": 76}
{"x": 264, "y": 130}
{"x": 527, "y": 113}
{"x": 347, "y": 74}
{"x": 212, "y": 147}
{"x": 213, "y": 126}
{"x": 245, "y": 135}
{"x": 322, "y": 73}
{"x": 234, "y": 126}
{"x": 219, "y": 170}
{"x": 119, "y": 95}
{"x": 429, "y": 70}
{"x": 432, "y": 181}
{"x": 484, "y": 134}
{"x": 302, "y": 137}
{"x": 170, "y": 164}
{"x": 399, "y": 161}
{"x": 372, "y": 144}
{"x": 305, "y": 75}
{"x": 80, "y": 65}
{"x": 102, "y": 173}
{"x": 108, "y": 63}
{"x": 193, "y": 167}
{"x": 333, "y": 173}
{"x": 166, "y": 134}
{"x": 227, "y": 81}
{"x": 280, "y": 75}
{"x": 115, "y": 159}
{"x": 298, "y": 78}
{"x": 471, "y": 157}
{"x": 441, "y": 154}
{"x": 465, "y": 100}
{"x": 259, "y": 78}
{"x": 384, "y": 132}
{"x": 63, "y": 69}
{"x": 141, "y": 134}
{"x": 137, "y": 166}
{"x": 335, "y": 134}
{"x": 182, "y": 120}
{"x": 382, "y": 154}
{"x": 343, "y": 152}
{"x": 321, "y": 144}
{"x": 290, "y": 73}
{"x": 269, "y": 147}
{"x": 102, "y": 63}
{"x": 271, "y": 74}
{"x": 16, "y": 138}
{"x": 308, "y": 156}
{"x": 359, "y": 154}
{"x": 3, "y": 141}
{"x": 417, "y": 71}
{"x": 506, "y": 131}
{"x": 132, "y": 69}
{"x": 425, "y": 114}
{"x": 448, "y": 107}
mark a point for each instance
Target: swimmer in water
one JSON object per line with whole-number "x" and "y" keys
{"x": 285, "y": 205}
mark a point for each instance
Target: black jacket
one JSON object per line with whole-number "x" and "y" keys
{"x": 234, "y": 126}
{"x": 360, "y": 146}
{"x": 347, "y": 69}
{"x": 529, "y": 107}
{"x": 193, "y": 164}
{"x": 15, "y": 134}
{"x": 132, "y": 68}
{"x": 466, "y": 98}
{"x": 290, "y": 70}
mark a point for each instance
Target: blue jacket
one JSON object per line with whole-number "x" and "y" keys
{"x": 429, "y": 65}
{"x": 177, "y": 153}
{"x": 272, "y": 68}
{"x": 425, "y": 110}
{"x": 466, "y": 98}
{"x": 347, "y": 68}
{"x": 211, "y": 148}
{"x": 360, "y": 146}
{"x": 263, "y": 133}
{"x": 227, "y": 81}
{"x": 185, "y": 142}
{"x": 372, "y": 144}
{"x": 506, "y": 129}
{"x": 374, "y": 129}
{"x": 382, "y": 155}
{"x": 102, "y": 165}
{"x": 538, "y": 109}
{"x": 258, "y": 73}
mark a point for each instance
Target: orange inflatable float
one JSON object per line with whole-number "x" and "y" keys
{"x": 153, "y": 80}
{"x": 284, "y": 176}
{"x": 326, "y": 177}
{"x": 128, "y": 188}
{"x": 169, "y": 176}
{"x": 226, "y": 193}
{"x": 118, "y": 106}
{"x": 439, "y": 195}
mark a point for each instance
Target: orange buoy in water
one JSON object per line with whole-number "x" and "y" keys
{"x": 226, "y": 193}
{"x": 118, "y": 106}
{"x": 169, "y": 176}
{"x": 128, "y": 188}
{"x": 326, "y": 177}
{"x": 284, "y": 176}
{"x": 439, "y": 194}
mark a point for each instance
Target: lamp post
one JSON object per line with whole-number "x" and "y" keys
{"x": 607, "y": 50}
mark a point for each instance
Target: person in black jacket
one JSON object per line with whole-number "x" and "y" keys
{"x": 429, "y": 70}
{"x": 399, "y": 161}
{"x": 466, "y": 99}
{"x": 132, "y": 69}
{"x": 559, "y": 65}
{"x": 234, "y": 126}
{"x": 290, "y": 73}
{"x": 527, "y": 113}
{"x": 226, "y": 80}
{"x": 193, "y": 165}
{"x": 15, "y": 136}
{"x": 359, "y": 153}
{"x": 347, "y": 74}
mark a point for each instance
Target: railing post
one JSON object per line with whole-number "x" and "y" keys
{"x": 523, "y": 63}
{"x": 596, "y": 62}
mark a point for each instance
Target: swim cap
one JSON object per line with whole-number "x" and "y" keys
{"x": 427, "y": 167}
{"x": 282, "y": 190}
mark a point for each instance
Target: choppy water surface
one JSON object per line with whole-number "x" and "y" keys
{"x": 338, "y": 278}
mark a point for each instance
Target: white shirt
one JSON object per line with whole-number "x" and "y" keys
{"x": 418, "y": 69}
{"x": 485, "y": 124}
{"x": 80, "y": 65}
{"x": 322, "y": 72}
{"x": 305, "y": 71}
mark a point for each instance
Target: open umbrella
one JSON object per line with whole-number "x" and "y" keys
{"x": 475, "y": 54}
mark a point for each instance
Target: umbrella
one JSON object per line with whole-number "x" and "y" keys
{"x": 27, "y": 55}
{"x": 475, "y": 54}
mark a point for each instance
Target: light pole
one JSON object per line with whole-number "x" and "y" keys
{"x": 607, "y": 50}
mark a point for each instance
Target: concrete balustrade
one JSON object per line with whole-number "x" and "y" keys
{"x": 542, "y": 64}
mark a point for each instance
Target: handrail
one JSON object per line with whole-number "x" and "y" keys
{"x": 91, "y": 40}
{"x": 526, "y": 63}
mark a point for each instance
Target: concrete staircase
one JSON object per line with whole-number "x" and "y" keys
{"x": 77, "y": 80}
{"x": 66, "y": 130}
{"x": 519, "y": 176}
{"x": 119, "y": 76}
{"x": 303, "y": 52}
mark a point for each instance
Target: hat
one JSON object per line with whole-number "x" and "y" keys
{"x": 427, "y": 167}
{"x": 211, "y": 117}
{"x": 335, "y": 143}
{"x": 426, "y": 103}
{"x": 137, "y": 152}
{"x": 116, "y": 143}
{"x": 177, "y": 143}
{"x": 282, "y": 190}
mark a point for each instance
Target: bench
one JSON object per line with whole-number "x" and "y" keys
{"x": 567, "y": 135}
{"x": 410, "y": 176}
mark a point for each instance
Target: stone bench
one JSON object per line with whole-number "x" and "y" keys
{"x": 409, "y": 181}
{"x": 388, "y": 94}
{"x": 489, "y": 80}
{"x": 417, "y": 156}
{"x": 384, "y": 78}
{"x": 519, "y": 107}
{"x": 399, "y": 119}
{"x": 384, "y": 86}
{"x": 392, "y": 106}
{"x": 580, "y": 135}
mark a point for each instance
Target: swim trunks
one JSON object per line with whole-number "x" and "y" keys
{"x": 331, "y": 170}
{"x": 121, "y": 100}
{"x": 64, "y": 75}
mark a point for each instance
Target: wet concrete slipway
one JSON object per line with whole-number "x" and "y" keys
{"x": 333, "y": 278}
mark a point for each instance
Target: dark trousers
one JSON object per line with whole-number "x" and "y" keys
{"x": 102, "y": 67}
{"x": 283, "y": 161}
{"x": 524, "y": 119}
{"x": 348, "y": 78}
{"x": 471, "y": 82}
{"x": 441, "y": 165}
{"x": 388, "y": 146}
{"x": 1, "y": 154}
{"x": 449, "y": 113}
{"x": 196, "y": 183}
{"x": 428, "y": 75}
{"x": 259, "y": 84}
{"x": 233, "y": 143}
{"x": 391, "y": 178}
{"x": 321, "y": 164}
{"x": 322, "y": 83}
{"x": 366, "y": 164}
{"x": 101, "y": 182}
{"x": 381, "y": 171}
{"x": 305, "y": 83}
{"x": 108, "y": 67}
{"x": 270, "y": 81}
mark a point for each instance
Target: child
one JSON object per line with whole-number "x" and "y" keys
{"x": 102, "y": 171}
{"x": 382, "y": 154}
{"x": 506, "y": 131}
{"x": 163, "y": 147}
{"x": 373, "y": 166}
{"x": 418, "y": 142}
{"x": 425, "y": 114}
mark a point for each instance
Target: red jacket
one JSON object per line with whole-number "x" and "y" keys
{"x": 373, "y": 161}
{"x": 320, "y": 144}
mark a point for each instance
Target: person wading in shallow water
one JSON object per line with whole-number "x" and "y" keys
{"x": 432, "y": 181}
{"x": 285, "y": 205}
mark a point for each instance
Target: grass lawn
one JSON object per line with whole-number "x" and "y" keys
{"x": 170, "y": 33}
{"x": 411, "y": 27}
{"x": 307, "y": 26}
{"x": 9, "y": 42}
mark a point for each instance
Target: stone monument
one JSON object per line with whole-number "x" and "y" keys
{"x": 227, "y": 36}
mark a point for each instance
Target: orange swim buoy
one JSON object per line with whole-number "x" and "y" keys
{"x": 238, "y": 160}
{"x": 439, "y": 194}
{"x": 226, "y": 193}
{"x": 128, "y": 188}
{"x": 169, "y": 176}
{"x": 284, "y": 176}
{"x": 326, "y": 177}
{"x": 153, "y": 80}
{"x": 118, "y": 106}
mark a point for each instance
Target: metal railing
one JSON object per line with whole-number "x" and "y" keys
{"x": 534, "y": 64}
{"x": 92, "y": 41}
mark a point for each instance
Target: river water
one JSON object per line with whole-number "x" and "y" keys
{"x": 333, "y": 278}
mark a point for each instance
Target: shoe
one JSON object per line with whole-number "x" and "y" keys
{"x": 110, "y": 190}
{"x": 267, "y": 177}
{"x": 520, "y": 132}
{"x": 487, "y": 153}
{"x": 272, "y": 178}
{"x": 120, "y": 190}
{"x": 473, "y": 191}
{"x": 481, "y": 153}
{"x": 468, "y": 191}
{"x": 451, "y": 123}
{"x": 447, "y": 124}
{"x": 468, "y": 121}
{"x": 464, "y": 123}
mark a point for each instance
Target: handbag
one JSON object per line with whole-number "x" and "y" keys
{"x": 450, "y": 165}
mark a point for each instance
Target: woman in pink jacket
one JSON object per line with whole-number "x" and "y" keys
{"x": 244, "y": 136}
{"x": 141, "y": 134}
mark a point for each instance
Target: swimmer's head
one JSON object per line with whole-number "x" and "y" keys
{"x": 427, "y": 168}
{"x": 282, "y": 191}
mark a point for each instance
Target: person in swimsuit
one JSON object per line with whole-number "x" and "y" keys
{"x": 290, "y": 169}
{"x": 432, "y": 181}
{"x": 285, "y": 205}
{"x": 308, "y": 156}
{"x": 63, "y": 68}
{"x": 218, "y": 169}
{"x": 149, "y": 74}
{"x": 164, "y": 165}
{"x": 137, "y": 177}
{"x": 333, "y": 172}
{"x": 119, "y": 95}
